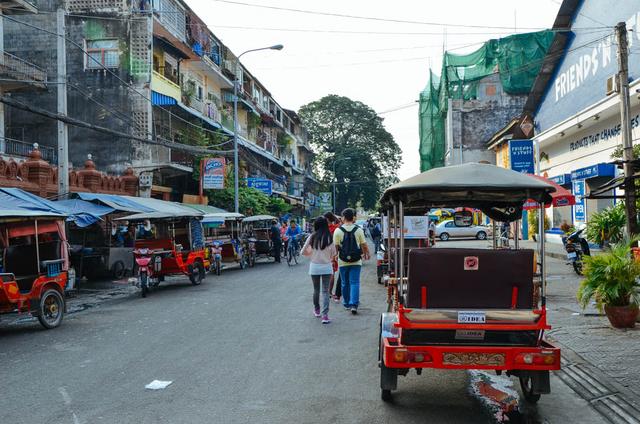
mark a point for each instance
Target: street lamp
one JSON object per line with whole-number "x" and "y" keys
{"x": 235, "y": 124}
{"x": 335, "y": 180}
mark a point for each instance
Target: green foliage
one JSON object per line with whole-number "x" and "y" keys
{"x": 278, "y": 206}
{"x": 253, "y": 121}
{"x": 607, "y": 225}
{"x": 611, "y": 278}
{"x": 188, "y": 91}
{"x": 251, "y": 201}
{"x": 339, "y": 128}
{"x": 619, "y": 151}
{"x": 533, "y": 222}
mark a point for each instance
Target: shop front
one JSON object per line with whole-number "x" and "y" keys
{"x": 577, "y": 121}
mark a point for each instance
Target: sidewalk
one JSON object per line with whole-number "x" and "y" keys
{"x": 94, "y": 293}
{"x": 553, "y": 248}
{"x": 600, "y": 363}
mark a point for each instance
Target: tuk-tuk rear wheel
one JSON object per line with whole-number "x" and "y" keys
{"x": 526, "y": 384}
{"x": 197, "y": 274}
{"x": 51, "y": 309}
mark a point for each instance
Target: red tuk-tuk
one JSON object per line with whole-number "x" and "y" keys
{"x": 223, "y": 240}
{"x": 167, "y": 244}
{"x": 34, "y": 270}
{"x": 466, "y": 308}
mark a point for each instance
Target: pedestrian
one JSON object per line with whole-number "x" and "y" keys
{"x": 276, "y": 239}
{"x": 283, "y": 235}
{"x": 320, "y": 249}
{"x": 334, "y": 223}
{"x": 432, "y": 232}
{"x": 352, "y": 248}
{"x": 376, "y": 235}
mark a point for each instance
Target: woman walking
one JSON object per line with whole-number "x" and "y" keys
{"x": 334, "y": 222}
{"x": 320, "y": 249}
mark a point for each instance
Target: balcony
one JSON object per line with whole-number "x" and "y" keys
{"x": 23, "y": 73}
{"x": 163, "y": 85}
{"x": 18, "y": 7}
{"x": 22, "y": 149}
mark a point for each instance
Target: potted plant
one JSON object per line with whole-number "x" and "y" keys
{"x": 607, "y": 226}
{"x": 533, "y": 224}
{"x": 611, "y": 279}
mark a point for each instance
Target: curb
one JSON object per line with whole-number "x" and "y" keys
{"x": 614, "y": 402}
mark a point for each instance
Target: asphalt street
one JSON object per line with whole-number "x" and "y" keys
{"x": 243, "y": 347}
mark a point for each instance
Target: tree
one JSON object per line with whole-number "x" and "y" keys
{"x": 343, "y": 128}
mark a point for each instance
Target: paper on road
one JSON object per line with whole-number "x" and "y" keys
{"x": 158, "y": 385}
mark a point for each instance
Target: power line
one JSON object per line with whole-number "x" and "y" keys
{"x": 339, "y": 31}
{"x": 368, "y": 18}
{"x": 402, "y": 107}
{"x": 130, "y": 86}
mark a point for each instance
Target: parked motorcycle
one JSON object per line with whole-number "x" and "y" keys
{"x": 146, "y": 267}
{"x": 216, "y": 258}
{"x": 576, "y": 247}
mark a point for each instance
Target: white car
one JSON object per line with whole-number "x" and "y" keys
{"x": 448, "y": 229}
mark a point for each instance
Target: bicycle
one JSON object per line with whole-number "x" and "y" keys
{"x": 293, "y": 250}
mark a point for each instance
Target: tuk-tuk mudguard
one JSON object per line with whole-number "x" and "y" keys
{"x": 469, "y": 357}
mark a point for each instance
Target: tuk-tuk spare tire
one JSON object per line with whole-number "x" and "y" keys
{"x": 51, "y": 298}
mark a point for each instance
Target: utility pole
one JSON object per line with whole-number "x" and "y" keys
{"x": 63, "y": 131}
{"x": 623, "y": 85}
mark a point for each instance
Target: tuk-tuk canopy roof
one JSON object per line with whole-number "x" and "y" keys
{"x": 17, "y": 203}
{"x": 499, "y": 192}
{"x": 205, "y": 209}
{"x": 225, "y": 216}
{"x": 83, "y": 213}
{"x": 256, "y": 218}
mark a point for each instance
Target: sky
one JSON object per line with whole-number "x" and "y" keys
{"x": 382, "y": 64}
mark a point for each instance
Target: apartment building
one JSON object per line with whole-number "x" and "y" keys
{"x": 153, "y": 69}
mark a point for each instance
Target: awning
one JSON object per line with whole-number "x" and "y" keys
{"x": 603, "y": 192}
{"x": 561, "y": 197}
{"x": 119, "y": 203}
{"x": 83, "y": 213}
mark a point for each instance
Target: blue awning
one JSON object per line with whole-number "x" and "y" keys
{"x": 158, "y": 99}
{"x": 83, "y": 213}
{"x": 593, "y": 171}
{"x": 119, "y": 203}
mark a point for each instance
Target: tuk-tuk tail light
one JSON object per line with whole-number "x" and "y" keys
{"x": 403, "y": 355}
{"x": 535, "y": 358}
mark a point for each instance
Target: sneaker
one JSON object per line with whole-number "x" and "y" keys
{"x": 354, "y": 310}
{"x": 336, "y": 299}
{"x": 347, "y": 307}
{"x": 316, "y": 312}
{"x": 325, "y": 319}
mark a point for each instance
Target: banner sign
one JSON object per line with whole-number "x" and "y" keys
{"x": 415, "y": 227}
{"x": 262, "y": 184}
{"x": 579, "y": 209}
{"x": 213, "y": 170}
{"x": 598, "y": 170}
{"x": 521, "y": 156}
{"x": 325, "y": 200}
{"x": 561, "y": 179}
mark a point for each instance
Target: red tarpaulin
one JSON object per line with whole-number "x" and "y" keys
{"x": 561, "y": 197}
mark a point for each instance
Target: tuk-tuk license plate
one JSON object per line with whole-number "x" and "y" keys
{"x": 471, "y": 317}
{"x": 572, "y": 255}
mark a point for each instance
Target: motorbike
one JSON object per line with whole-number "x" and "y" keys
{"x": 146, "y": 269}
{"x": 576, "y": 247}
{"x": 216, "y": 258}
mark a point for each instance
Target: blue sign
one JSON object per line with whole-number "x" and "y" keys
{"x": 589, "y": 59}
{"x": 580, "y": 208}
{"x": 262, "y": 184}
{"x": 598, "y": 170}
{"x": 561, "y": 179}
{"x": 521, "y": 156}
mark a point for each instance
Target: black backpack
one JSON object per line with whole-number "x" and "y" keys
{"x": 350, "y": 251}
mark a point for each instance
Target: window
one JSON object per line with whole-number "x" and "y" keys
{"x": 102, "y": 54}
{"x": 449, "y": 224}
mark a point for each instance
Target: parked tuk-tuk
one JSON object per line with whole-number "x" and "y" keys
{"x": 256, "y": 232}
{"x": 34, "y": 268}
{"x": 167, "y": 243}
{"x": 464, "y": 308}
{"x": 223, "y": 240}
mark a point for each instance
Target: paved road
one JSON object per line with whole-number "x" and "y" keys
{"x": 241, "y": 348}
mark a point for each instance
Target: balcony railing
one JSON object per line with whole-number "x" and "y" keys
{"x": 13, "y": 147}
{"x": 21, "y": 70}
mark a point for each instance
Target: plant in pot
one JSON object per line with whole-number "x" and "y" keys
{"x": 611, "y": 279}
{"x": 533, "y": 224}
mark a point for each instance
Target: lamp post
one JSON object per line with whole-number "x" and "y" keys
{"x": 335, "y": 180}
{"x": 236, "y": 184}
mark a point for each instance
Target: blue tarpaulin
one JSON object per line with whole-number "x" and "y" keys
{"x": 15, "y": 198}
{"x": 83, "y": 213}
{"x": 119, "y": 203}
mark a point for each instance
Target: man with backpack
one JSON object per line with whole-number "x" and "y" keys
{"x": 352, "y": 248}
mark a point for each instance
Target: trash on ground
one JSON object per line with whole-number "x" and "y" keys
{"x": 158, "y": 385}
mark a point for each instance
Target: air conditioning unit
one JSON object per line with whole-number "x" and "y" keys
{"x": 612, "y": 85}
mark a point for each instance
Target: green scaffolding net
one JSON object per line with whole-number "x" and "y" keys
{"x": 516, "y": 59}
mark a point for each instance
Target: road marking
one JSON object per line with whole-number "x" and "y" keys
{"x": 67, "y": 401}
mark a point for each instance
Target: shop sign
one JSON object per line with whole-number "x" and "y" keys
{"x": 262, "y": 184}
{"x": 521, "y": 156}
{"x": 605, "y": 134}
{"x": 561, "y": 179}
{"x": 213, "y": 173}
{"x": 579, "y": 209}
{"x": 325, "y": 200}
{"x": 598, "y": 170}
